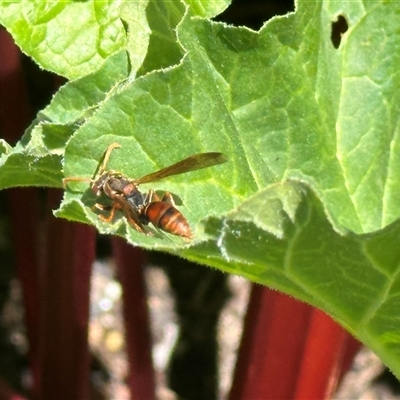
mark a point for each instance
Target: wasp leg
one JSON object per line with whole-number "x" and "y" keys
{"x": 112, "y": 210}
{"x": 168, "y": 198}
{"x": 151, "y": 197}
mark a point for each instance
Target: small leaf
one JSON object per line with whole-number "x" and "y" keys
{"x": 71, "y": 38}
{"x": 36, "y": 160}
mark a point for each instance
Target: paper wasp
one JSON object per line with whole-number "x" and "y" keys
{"x": 141, "y": 209}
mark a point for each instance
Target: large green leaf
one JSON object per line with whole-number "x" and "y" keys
{"x": 74, "y": 38}
{"x": 309, "y": 200}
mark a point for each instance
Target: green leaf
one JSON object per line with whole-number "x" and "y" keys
{"x": 78, "y": 100}
{"x": 207, "y": 8}
{"x": 74, "y": 38}
{"x": 36, "y": 160}
{"x": 5, "y": 148}
{"x": 353, "y": 277}
{"x": 36, "y": 171}
{"x": 309, "y": 200}
{"x": 164, "y": 50}
{"x": 71, "y": 38}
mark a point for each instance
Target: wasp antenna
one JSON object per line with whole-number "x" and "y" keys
{"x": 75, "y": 179}
{"x": 104, "y": 160}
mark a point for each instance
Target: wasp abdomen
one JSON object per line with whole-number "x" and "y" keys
{"x": 165, "y": 216}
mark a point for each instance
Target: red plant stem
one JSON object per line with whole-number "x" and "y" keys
{"x": 64, "y": 356}
{"x": 352, "y": 348}
{"x": 25, "y": 225}
{"x": 15, "y": 111}
{"x": 323, "y": 353}
{"x": 289, "y": 350}
{"x": 271, "y": 348}
{"x": 15, "y": 115}
{"x": 130, "y": 263}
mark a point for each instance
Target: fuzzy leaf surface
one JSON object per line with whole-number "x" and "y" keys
{"x": 309, "y": 200}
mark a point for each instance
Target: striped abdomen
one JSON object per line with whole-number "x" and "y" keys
{"x": 165, "y": 216}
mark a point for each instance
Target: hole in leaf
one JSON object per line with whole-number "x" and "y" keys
{"x": 339, "y": 28}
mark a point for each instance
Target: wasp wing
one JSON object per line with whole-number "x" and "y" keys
{"x": 192, "y": 163}
{"x": 131, "y": 213}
